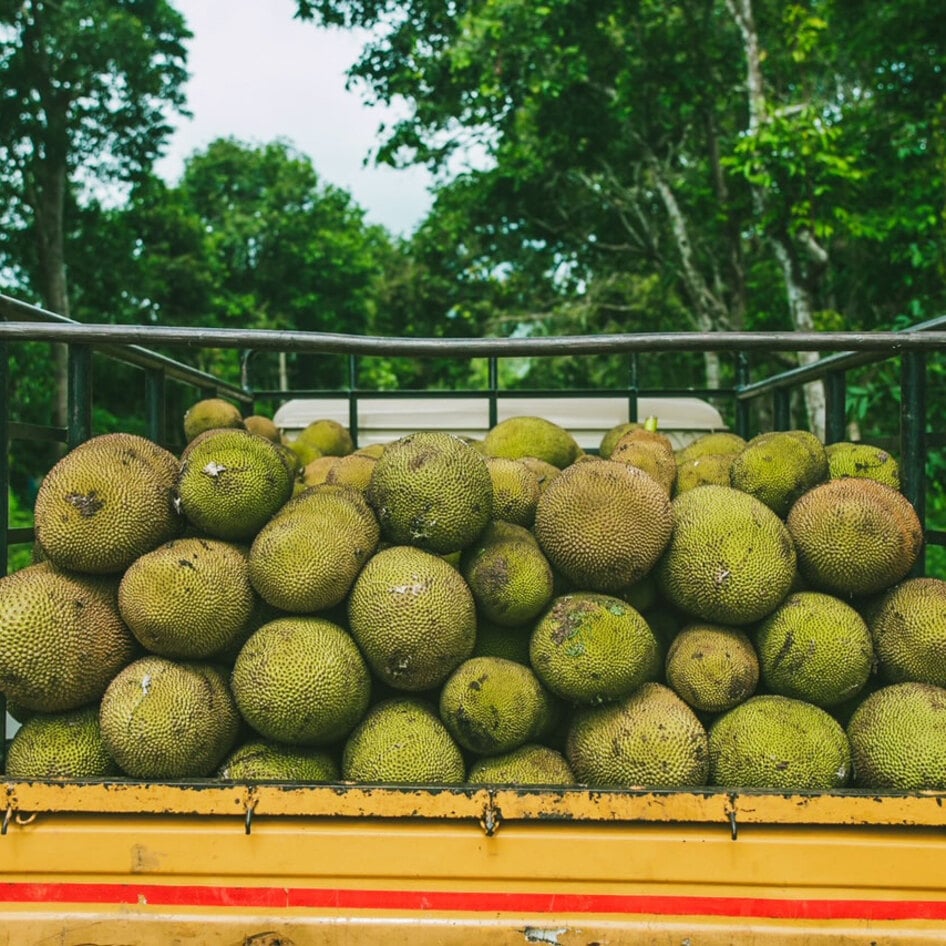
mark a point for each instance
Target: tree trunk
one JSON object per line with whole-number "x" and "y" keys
{"x": 800, "y": 305}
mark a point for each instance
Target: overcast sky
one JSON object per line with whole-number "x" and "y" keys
{"x": 257, "y": 74}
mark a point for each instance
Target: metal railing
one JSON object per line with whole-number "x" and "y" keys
{"x": 21, "y": 322}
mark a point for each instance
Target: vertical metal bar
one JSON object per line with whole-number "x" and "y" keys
{"x": 5, "y": 457}
{"x": 742, "y": 406}
{"x": 913, "y": 435}
{"x": 156, "y": 405}
{"x": 79, "y": 426}
{"x": 493, "y": 364}
{"x": 4, "y": 506}
{"x": 835, "y": 392}
{"x": 633, "y": 387}
{"x": 782, "y": 409}
{"x": 353, "y": 399}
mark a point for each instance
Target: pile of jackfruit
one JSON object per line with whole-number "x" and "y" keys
{"x": 442, "y": 611}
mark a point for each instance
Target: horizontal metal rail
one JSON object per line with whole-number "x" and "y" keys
{"x": 32, "y": 323}
{"x": 887, "y": 343}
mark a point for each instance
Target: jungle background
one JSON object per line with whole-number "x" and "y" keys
{"x": 643, "y": 166}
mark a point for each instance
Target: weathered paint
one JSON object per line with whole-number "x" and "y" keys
{"x": 379, "y": 873}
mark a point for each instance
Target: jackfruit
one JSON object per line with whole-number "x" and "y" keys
{"x": 864, "y": 461}
{"x": 515, "y": 490}
{"x": 898, "y": 738}
{"x": 908, "y": 626}
{"x": 431, "y": 490}
{"x": 593, "y": 648}
{"x": 401, "y": 740}
{"x": 701, "y": 470}
{"x": 613, "y": 435}
{"x": 190, "y": 598}
{"x": 491, "y": 705}
{"x": 497, "y": 640}
{"x": 302, "y": 681}
{"x": 854, "y": 536}
{"x": 527, "y": 436}
{"x": 712, "y": 667}
{"x": 717, "y": 442}
{"x": 815, "y": 648}
{"x": 544, "y": 471}
{"x": 263, "y": 427}
{"x": 413, "y": 616}
{"x": 603, "y": 524}
{"x": 260, "y": 760}
{"x": 354, "y": 469}
{"x": 60, "y": 745}
{"x": 778, "y": 467}
{"x": 509, "y": 577}
{"x": 211, "y": 413}
{"x": 528, "y": 765}
{"x": 329, "y": 437}
{"x": 306, "y": 558}
{"x": 651, "y": 739}
{"x": 645, "y": 435}
{"x": 730, "y": 560}
{"x": 778, "y": 743}
{"x": 231, "y": 483}
{"x": 650, "y": 457}
{"x": 163, "y": 719}
{"x": 106, "y": 502}
{"x": 62, "y": 638}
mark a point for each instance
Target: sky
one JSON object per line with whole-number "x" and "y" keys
{"x": 258, "y": 75}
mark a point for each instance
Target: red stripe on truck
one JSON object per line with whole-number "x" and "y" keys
{"x": 469, "y": 902}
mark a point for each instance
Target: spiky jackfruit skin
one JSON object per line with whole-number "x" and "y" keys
{"x": 210, "y": 414}
{"x": 702, "y": 470}
{"x": 717, "y": 442}
{"x": 908, "y": 626}
{"x": 491, "y": 705}
{"x": 712, "y": 667}
{"x": 401, "y": 740}
{"x": 815, "y": 647}
{"x": 593, "y": 648}
{"x": 779, "y": 467}
{"x": 650, "y": 457}
{"x": 778, "y": 743}
{"x": 301, "y": 681}
{"x": 863, "y": 461}
{"x": 431, "y": 490}
{"x": 60, "y": 746}
{"x": 613, "y": 435}
{"x": 528, "y": 765}
{"x": 898, "y": 738}
{"x": 329, "y": 437}
{"x": 496, "y": 640}
{"x": 510, "y": 578}
{"x": 106, "y": 502}
{"x": 544, "y": 471}
{"x": 413, "y": 616}
{"x": 306, "y": 558}
{"x": 731, "y": 559}
{"x": 190, "y": 598}
{"x": 164, "y": 719}
{"x": 603, "y": 524}
{"x": 232, "y": 482}
{"x": 854, "y": 536}
{"x": 62, "y": 638}
{"x": 648, "y": 739}
{"x": 527, "y": 436}
{"x": 260, "y": 760}
{"x": 262, "y": 426}
{"x": 515, "y": 490}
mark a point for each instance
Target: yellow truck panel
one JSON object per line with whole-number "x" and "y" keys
{"x": 118, "y": 863}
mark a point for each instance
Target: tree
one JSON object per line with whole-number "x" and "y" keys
{"x": 715, "y": 146}
{"x": 88, "y": 88}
